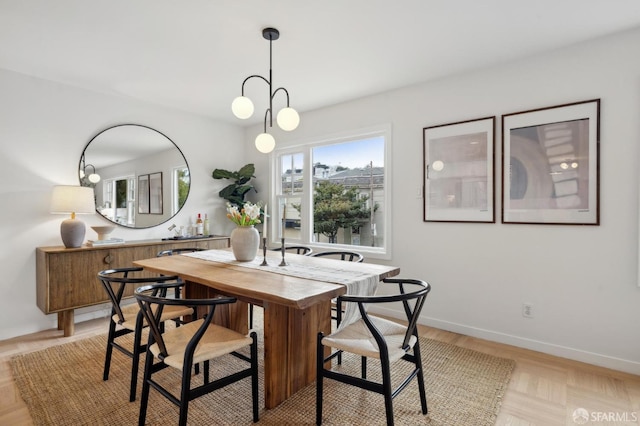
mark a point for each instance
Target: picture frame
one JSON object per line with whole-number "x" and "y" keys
{"x": 550, "y": 163}
{"x": 458, "y": 171}
{"x": 155, "y": 193}
{"x": 143, "y": 194}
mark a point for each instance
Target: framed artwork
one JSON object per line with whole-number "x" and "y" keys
{"x": 458, "y": 171}
{"x": 143, "y": 194}
{"x": 550, "y": 165}
{"x": 155, "y": 193}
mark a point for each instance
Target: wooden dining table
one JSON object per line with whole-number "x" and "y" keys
{"x": 295, "y": 308}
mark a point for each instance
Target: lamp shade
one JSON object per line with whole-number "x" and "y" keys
{"x": 288, "y": 119}
{"x": 94, "y": 178}
{"x": 73, "y": 200}
{"x": 242, "y": 107}
{"x": 265, "y": 143}
{"x": 438, "y": 165}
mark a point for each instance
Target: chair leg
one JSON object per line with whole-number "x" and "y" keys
{"x": 206, "y": 371}
{"x": 338, "y": 321}
{"x": 254, "y": 375}
{"x": 363, "y": 367}
{"x": 109, "y": 352}
{"x": 137, "y": 348}
{"x": 184, "y": 395}
{"x": 144, "y": 397}
{"x": 319, "y": 378}
{"x": 418, "y": 360}
{"x": 387, "y": 391}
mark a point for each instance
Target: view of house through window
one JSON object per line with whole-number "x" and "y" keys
{"x": 334, "y": 192}
{"x": 290, "y": 194}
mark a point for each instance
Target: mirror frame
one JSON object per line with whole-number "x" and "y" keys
{"x": 82, "y": 156}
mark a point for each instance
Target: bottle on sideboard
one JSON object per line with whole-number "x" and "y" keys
{"x": 205, "y": 226}
{"x": 199, "y": 225}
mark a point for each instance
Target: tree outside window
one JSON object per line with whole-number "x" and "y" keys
{"x": 337, "y": 208}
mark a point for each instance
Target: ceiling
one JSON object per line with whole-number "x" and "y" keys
{"x": 194, "y": 54}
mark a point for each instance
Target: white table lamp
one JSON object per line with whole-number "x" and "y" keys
{"x": 74, "y": 200}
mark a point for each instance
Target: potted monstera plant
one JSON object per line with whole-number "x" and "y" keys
{"x": 235, "y": 192}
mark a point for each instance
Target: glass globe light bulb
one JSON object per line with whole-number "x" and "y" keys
{"x": 438, "y": 165}
{"x": 242, "y": 107}
{"x": 288, "y": 119}
{"x": 94, "y": 178}
{"x": 81, "y": 173}
{"x": 265, "y": 143}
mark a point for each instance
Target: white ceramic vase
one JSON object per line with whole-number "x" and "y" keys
{"x": 245, "y": 241}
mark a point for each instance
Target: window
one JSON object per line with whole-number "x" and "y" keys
{"x": 119, "y": 200}
{"x": 333, "y": 193}
{"x": 290, "y": 195}
{"x": 180, "y": 184}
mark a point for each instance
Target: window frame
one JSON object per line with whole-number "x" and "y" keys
{"x": 109, "y": 194}
{"x": 306, "y": 148}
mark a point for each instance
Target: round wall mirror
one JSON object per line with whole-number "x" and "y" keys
{"x": 140, "y": 177}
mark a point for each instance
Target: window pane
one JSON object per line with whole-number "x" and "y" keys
{"x": 131, "y": 200}
{"x": 181, "y": 183}
{"x": 292, "y": 167}
{"x": 348, "y": 198}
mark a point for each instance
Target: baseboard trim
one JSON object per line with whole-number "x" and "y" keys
{"x": 89, "y": 313}
{"x": 624, "y": 365}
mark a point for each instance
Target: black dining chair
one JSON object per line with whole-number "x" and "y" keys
{"x": 304, "y": 250}
{"x": 379, "y": 338}
{"x": 180, "y": 250}
{"x": 349, "y": 256}
{"x": 199, "y": 341}
{"x": 127, "y": 319}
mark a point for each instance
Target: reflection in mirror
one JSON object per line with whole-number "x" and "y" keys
{"x": 117, "y": 163}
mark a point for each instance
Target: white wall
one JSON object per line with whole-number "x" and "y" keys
{"x": 581, "y": 280}
{"x": 43, "y": 128}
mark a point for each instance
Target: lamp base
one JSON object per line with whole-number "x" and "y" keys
{"x": 72, "y": 232}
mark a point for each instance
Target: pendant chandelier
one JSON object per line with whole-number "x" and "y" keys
{"x": 242, "y": 107}
{"x": 92, "y": 177}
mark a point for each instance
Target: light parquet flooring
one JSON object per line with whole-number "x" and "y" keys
{"x": 544, "y": 390}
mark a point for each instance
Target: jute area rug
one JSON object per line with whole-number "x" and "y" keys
{"x": 63, "y": 385}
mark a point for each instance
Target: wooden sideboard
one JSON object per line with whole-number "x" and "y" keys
{"x": 66, "y": 278}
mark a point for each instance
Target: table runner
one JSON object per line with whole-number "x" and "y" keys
{"x": 328, "y": 270}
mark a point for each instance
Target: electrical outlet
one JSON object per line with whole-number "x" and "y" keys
{"x": 527, "y": 310}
